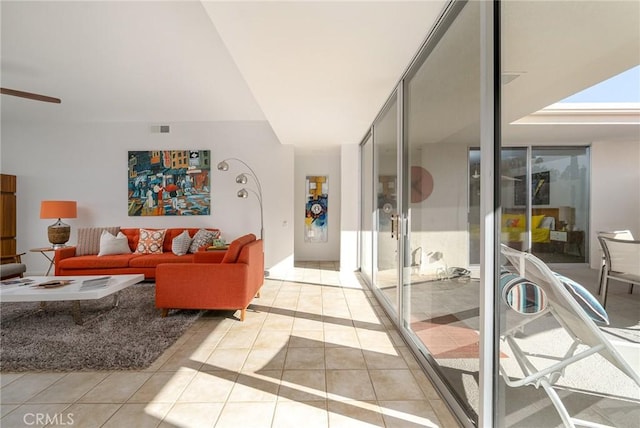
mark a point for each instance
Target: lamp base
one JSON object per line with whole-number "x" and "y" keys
{"x": 58, "y": 234}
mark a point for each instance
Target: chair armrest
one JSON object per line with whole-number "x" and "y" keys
{"x": 11, "y": 258}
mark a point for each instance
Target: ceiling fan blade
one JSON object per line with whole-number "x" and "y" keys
{"x": 30, "y": 95}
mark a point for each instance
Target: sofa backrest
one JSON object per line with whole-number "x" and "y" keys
{"x": 133, "y": 235}
{"x": 231, "y": 256}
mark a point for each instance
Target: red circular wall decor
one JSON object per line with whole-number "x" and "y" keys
{"x": 421, "y": 184}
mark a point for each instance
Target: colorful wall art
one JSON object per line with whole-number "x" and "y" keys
{"x": 169, "y": 182}
{"x": 315, "y": 222}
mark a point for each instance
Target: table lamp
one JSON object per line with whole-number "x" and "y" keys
{"x": 58, "y": 232}
{"x": 567, "y": 217}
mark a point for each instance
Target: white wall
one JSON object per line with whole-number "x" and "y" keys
{"x": 88, "y": 163}
{"x": 319, "y": 161}
{"x": 615, "y": 190}
{"x": 350, "y": 200}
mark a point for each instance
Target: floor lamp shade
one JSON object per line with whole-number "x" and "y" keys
{"x": 58, "y": 232}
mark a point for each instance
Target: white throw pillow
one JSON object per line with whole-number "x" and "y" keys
{"x": 110, "y": 244}
{"x": 180, "y": 244}
{"x": 89, "y": 239}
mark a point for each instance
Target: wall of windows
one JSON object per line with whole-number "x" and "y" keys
{"x": 462, "y": 169}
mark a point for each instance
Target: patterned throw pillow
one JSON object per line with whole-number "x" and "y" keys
{"x": 586, "y": 300}
{"x": 150, "y": 241}
{"x": 89, "y": 239}
{"x": 181, "y": 243}
{"x": 201, "y": 238}
{"x": 110, "y": 244}
{"x": 520, "y": 294}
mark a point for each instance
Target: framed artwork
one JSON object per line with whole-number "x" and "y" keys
{"x": 169, "y": 183}
{"x": 540, "y": 189}
{"x": 315, "y": 222}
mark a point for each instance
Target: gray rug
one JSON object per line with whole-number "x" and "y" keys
{"x": 130, "y": 336}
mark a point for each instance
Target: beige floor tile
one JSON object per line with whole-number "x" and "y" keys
{"x": 117, "y": 387}
{"x": 190, "y": 358}
{"x": 69, "y": 388}
{"x": 86, "y": 415}
{"x": 384, "y": 358}
{"x": 304, "y": 358}
{"x": 7, "y": 408}
{"x": 349, "y": 385}
{"x": 265, "y": 359}
{"x": 256, "y": 387}
{"x": 301, "y": 362}
{"x": 138, "y": 415}
{"x": 303, "y": 385}
{"x": 307, "y": 339}
{"x": 163, "y": 387}
{"x": 209, "y": 387}
{"x": 270, "y": 339}
{"x": 28, "y": 386}
{"x": 192, "y": 415}
{"x": 354, "y": 414}
{"x": 238, "y": 340}
{"x": 425, "y": 384}
{"x": 409, "y": 414}
{"x": 344, "y": 358}
{"x": 226, "y": 359}
{"x": 346, "y": 337}
{"x": 395, "y": 385}
{"x": 369, "y": 337}
{"x": 292, "y": 414}
{"x": 446, "y": 418}
{"x": 307, "y": 322}
{"x": 35, "y": 415}
{"x": 254, "y": 415}
{"x": 276, "y": 321}
{"x": 7, "y": 378}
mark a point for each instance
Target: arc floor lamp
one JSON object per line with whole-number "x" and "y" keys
{"x": 243, "y": 178}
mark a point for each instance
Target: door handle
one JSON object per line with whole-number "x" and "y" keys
{"x": 395, "y": 233}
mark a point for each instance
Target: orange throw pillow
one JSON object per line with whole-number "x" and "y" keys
{"x": 150, "y": 241}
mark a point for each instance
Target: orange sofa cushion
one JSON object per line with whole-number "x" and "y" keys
{"x": 152, "y": 260}
{"x": 102, "y": 262}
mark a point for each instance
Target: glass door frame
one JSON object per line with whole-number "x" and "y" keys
{"x": 489, "y": 210}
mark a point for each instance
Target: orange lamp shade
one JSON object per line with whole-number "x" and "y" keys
{"x": 58, "y": 209}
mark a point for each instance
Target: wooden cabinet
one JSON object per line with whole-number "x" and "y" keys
{"x": 8, "y": 209}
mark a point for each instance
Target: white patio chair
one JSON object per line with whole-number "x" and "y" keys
{"x": 615, "y": 234}
{"x": 622, "y": 263}
{"x": 573, "y": 318}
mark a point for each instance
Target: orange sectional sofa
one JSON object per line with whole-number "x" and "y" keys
{"x": 216, "y": 280}
{"x": 67, "y": 263}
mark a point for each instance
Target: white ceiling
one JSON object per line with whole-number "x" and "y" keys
{"x": 317, "y": 71}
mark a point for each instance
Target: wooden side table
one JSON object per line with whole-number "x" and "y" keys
{"x": 44, "y": 251}
{"x": 566, "y": 238}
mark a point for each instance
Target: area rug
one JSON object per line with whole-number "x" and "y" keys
{"x": 128, "y": 337}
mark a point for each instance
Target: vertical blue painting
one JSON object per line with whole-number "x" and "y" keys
{"x": 169, "y": 183}
{"x": 315, "y": 224}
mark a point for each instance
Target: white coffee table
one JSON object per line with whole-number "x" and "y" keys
{"x": 31, "y": 292}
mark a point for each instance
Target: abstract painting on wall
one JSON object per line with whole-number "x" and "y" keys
{"x": 315, "y": 222}
{"x": 169, "y": 182}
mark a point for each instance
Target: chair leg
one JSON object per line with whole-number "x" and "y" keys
{"x": 165, "y": 312}
{"x": 605, "y": 286}
{"x": 243, "y": 312}
{"x": 601, "y": 278}
{"x": 630, "y": 288}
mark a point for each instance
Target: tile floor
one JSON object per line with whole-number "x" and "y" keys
{"x": 315, "y": 350}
